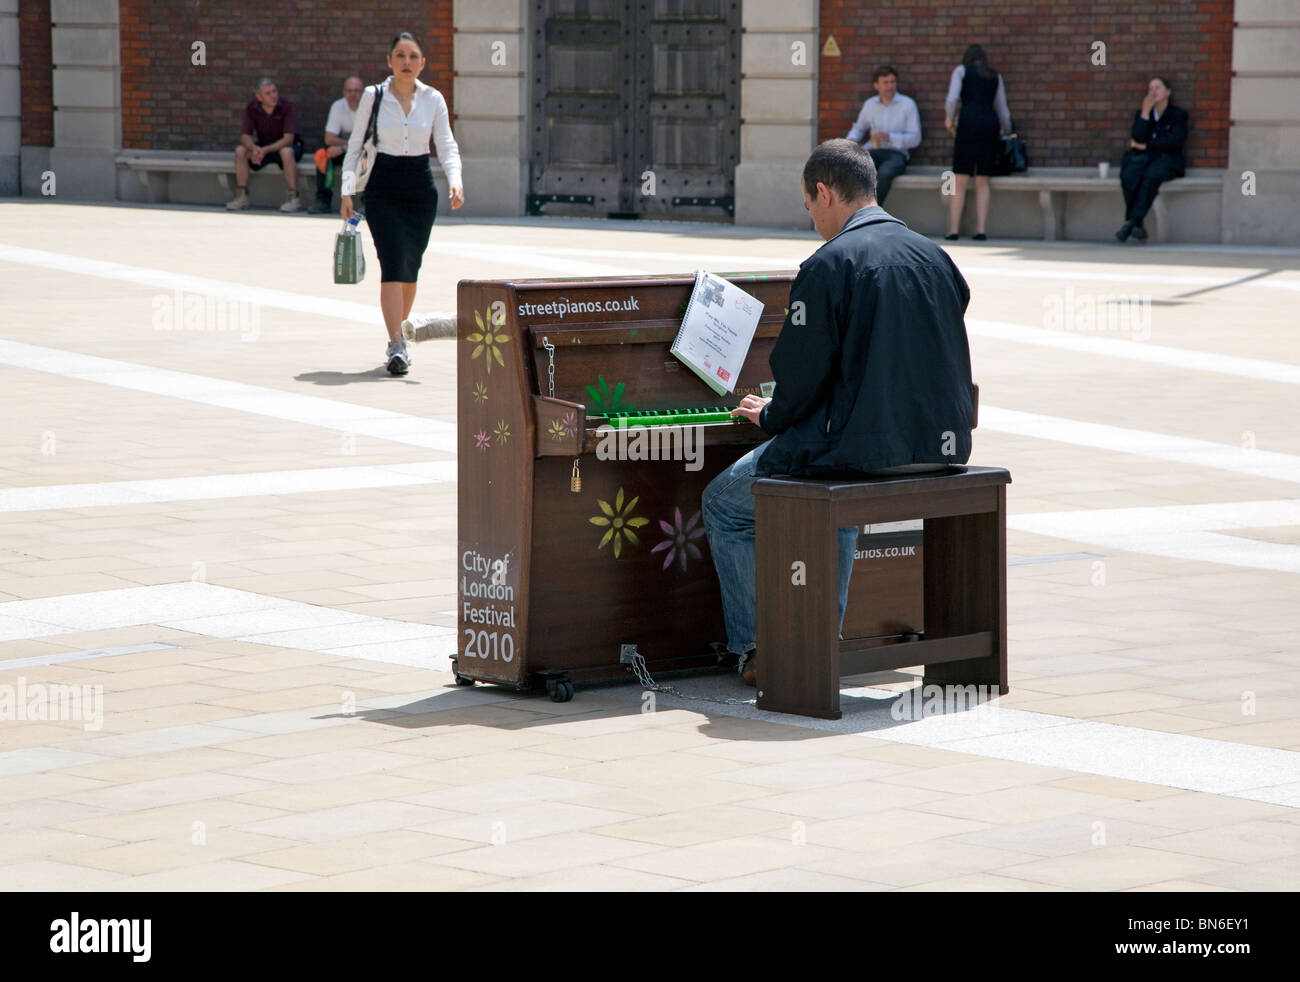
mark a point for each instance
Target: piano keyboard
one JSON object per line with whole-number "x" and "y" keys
{"x": 672, "y": 417}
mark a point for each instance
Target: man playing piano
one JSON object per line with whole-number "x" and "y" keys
{"x": 872, "y": 371}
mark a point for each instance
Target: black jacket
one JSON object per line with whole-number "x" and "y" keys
{"x": 1164, "y": 136}
{"x": 872, "y": 366}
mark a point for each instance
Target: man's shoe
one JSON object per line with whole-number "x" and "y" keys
{"x": 239, "y": 202}
{"x": 292, "y": 202}
{"x": 399, "y": 362}
{"x": 1139, "y": 233}
{"x": 1124, "y": 232}
{"x": 748, "y": 671}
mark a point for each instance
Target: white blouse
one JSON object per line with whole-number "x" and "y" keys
{"x": 401, "y": 135}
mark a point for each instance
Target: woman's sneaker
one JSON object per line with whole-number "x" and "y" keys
{"x": 399, "y": 362}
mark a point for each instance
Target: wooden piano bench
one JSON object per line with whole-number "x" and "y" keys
{"x": 800, "y": 657}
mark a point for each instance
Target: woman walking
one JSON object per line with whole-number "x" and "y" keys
{"x": 401, "y": 198}
{"x": 977, "y": 147}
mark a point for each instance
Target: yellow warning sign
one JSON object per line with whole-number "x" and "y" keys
{"x": 830, "y": 49}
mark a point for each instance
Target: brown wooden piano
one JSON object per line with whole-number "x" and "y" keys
{"x": 566, "y": 555}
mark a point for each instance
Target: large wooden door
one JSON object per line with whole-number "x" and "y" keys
{"x": 635, "y": 107}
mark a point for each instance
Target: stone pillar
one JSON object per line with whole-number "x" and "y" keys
{"x": 11, "y": 136}
{"x": 87, "y": 98}
{"x": 1265, "y": 135}
{"x": 492, "y": 104}
{"x": 778, "y": 110}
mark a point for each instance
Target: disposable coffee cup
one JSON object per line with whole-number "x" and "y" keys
{"x": 1103, "y": 170}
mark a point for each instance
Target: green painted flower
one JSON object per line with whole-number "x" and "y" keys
{"x": 485, "y": 340}
{"x": 607, "y": 402}
{"x": 557, "y": 430}
{"x": 502, "y": 431}
{"x": 480, "y": 393}
{"x": 618, "y": 522}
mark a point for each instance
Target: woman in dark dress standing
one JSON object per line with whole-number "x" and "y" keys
{"x": 401, "y": 198}
{"x": 984, "y": 117}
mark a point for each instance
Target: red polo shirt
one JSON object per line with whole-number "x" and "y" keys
{"x": 271, "y": 126}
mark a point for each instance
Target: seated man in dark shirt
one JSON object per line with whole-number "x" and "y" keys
{"x": 268, "y": 135}
{"x": 1154, "y": 156}
{"x": 872, "y": 371}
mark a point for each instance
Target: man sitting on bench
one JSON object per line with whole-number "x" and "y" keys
{"x": 872, "y": 371}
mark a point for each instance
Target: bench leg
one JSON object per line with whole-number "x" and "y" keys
{"x": 796, "y": 563}
{"x": 1162, "y": 219}
{"x": 1052, "y": 205}
{"x": 966, "y": 592}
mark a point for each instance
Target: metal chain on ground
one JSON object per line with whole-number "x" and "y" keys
{"x": 647, "y": 682}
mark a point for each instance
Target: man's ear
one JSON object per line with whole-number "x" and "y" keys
{"x": 825, "y": 195}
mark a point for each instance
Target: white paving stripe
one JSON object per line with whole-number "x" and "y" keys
{"x": 307, "y": 481}
{"x": 1129, "y": 753}
{"x": 300, "y": 303}
{"x": 345, "y": 417}
{"x": 1144, "y": 443}
{"x": 1179, "y": 531}
{"x": 216, "y": 611}
{"x": 1110, "y": 347}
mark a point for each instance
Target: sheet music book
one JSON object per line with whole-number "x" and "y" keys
{"x": 717, "y": 330}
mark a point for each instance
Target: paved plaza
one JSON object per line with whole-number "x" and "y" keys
{"x": 216, "y": 505}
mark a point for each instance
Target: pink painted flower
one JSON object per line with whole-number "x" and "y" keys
{"x": 481, "y": 440}
{"x": 679, "y": 544}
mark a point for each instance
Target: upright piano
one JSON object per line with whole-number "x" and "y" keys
{"x": 583, "y": 449}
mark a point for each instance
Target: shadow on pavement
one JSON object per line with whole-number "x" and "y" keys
{"x": 377, "y": 374}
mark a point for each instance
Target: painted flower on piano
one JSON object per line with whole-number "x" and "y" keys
{"x": 678, "y": 543}
{"x": 618, "y": 522}
{"x": 485, "y": 340}
{"x": 481, "y": 440}
{"x": 607, "y": 402}
{"x": 502, "y": 431}
{"x": 561, "y": 428}
{"x": 480, "y": 393}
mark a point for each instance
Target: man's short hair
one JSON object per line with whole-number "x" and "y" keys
{"x": 264, "y": 80}
{"x": 882, "y": 71}
{"x": 844, "y": 166}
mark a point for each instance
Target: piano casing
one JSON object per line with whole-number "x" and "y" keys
{"x": 552, "y": 582}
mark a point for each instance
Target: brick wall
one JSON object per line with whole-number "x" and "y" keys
{"x": 170, "y": 104}
{"x": 36, "y": 73}
{"x": 1070, "y": 112}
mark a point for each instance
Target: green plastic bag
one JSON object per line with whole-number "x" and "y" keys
{"x": 349, "y": 259}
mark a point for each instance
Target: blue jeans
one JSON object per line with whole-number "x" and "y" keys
{"x": 728, "y": 507}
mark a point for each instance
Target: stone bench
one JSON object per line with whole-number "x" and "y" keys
{"x": 800, "y": 657}
{"x": 160, "y": 175}
{"x": 1053, "y": 188}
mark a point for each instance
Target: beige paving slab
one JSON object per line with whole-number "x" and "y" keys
{"x": 171, "y": 763}
{"x": 55, "y": 876}
{"x": 361, "y": 818}
{"x": 922, "y": 863}
{"x": 789, "y": 879}
{"x": 711, "y": 861}
{"x": 1244, "y": 842}
{"x": 1013, "y": 805}
{"x": 47, "y": 813}
{"x": 812, "y": 772}
{"x": 597, "y": 878}
{"x": 1180, "y": 886}
{"x": 20, "y": 845}
{"x": 675, "y": 796}
{"x": 976, "y": 776}
{"x": 155, "y": 793}
{"x": 420, "y": 876}
{"x": 650, "y": 770}
{"x": 984, "y": 883}
{"x": 854, "y": 798}
{"x": 312, "y": 767}
{"x": 346, "y": 855}
{"x": 156, "y": 855}
{"x": 1190, "y": 811}
{"x": 1113, "y": 787}
{"x": 524, "y": 822}
{"x": 1112, "y": 868}
{"x": 543, "y": 854}
{"x": 222, "y": 876}
{"x": 188, "y": 819}
{"x": 701, "y": 825}
{"x": 330, "y": 792}
{"x": 502, "y": 764}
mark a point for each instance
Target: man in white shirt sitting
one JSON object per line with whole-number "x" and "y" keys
{"x": 894, "y": 124}
{"x": 338, "y": 127}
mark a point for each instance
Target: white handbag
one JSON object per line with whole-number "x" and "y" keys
{"x": 369, "y": 150}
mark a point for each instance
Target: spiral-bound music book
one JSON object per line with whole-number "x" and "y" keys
{"x": 716, "y": 331}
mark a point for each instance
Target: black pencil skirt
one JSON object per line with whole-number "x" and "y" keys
{"x": 401, "y": 201}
